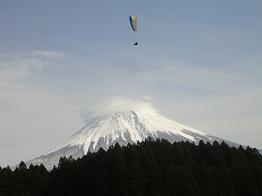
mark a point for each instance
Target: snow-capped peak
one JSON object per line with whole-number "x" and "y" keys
{"x": 129, "y": 127}
{"x": 123, "y": 127}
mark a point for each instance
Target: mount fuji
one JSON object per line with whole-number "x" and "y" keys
{"x": 125, "y": 127}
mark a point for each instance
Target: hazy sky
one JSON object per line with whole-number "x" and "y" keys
{"x": 198, "y": 62}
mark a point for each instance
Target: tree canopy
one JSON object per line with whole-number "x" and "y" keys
{"x": 148, "y": 168}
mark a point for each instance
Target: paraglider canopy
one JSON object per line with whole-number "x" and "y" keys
{"x": 133, "y": 22}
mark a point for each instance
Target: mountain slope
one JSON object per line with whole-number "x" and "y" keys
{"x": 123, "y": 128}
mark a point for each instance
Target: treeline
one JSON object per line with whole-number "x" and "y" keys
{"x": 148, "y": 168}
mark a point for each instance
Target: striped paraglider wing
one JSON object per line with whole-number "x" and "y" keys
{"x": 133, "y": 22}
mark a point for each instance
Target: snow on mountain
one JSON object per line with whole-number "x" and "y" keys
{"x": 123, "y": 128}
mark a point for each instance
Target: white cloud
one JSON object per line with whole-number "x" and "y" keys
{"x": 14, "y": 68}
{"x": 35, "y": 60}
{"x": 48, "y": 54}
{"x": 114, "y": 104}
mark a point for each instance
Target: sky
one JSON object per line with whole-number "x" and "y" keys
{"x": 197, "y": 62}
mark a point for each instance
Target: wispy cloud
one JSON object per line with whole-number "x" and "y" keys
{"x": 48, "y": 54}
{"x": 114, "y": 104}
{"x": 18, "y": 66}
{"x": 29, "y": 61}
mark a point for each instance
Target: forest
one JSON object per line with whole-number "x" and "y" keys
{"x": 152, "y": 167}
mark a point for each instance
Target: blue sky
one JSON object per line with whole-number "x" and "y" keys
{"x": 198, "y": 62}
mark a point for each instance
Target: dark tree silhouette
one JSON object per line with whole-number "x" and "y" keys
{"x": 148, "y": 168}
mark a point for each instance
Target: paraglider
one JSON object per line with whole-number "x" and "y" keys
{"x": 133, "y": 23}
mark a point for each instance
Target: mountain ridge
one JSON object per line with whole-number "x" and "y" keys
{"x": 123, "y": 128}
